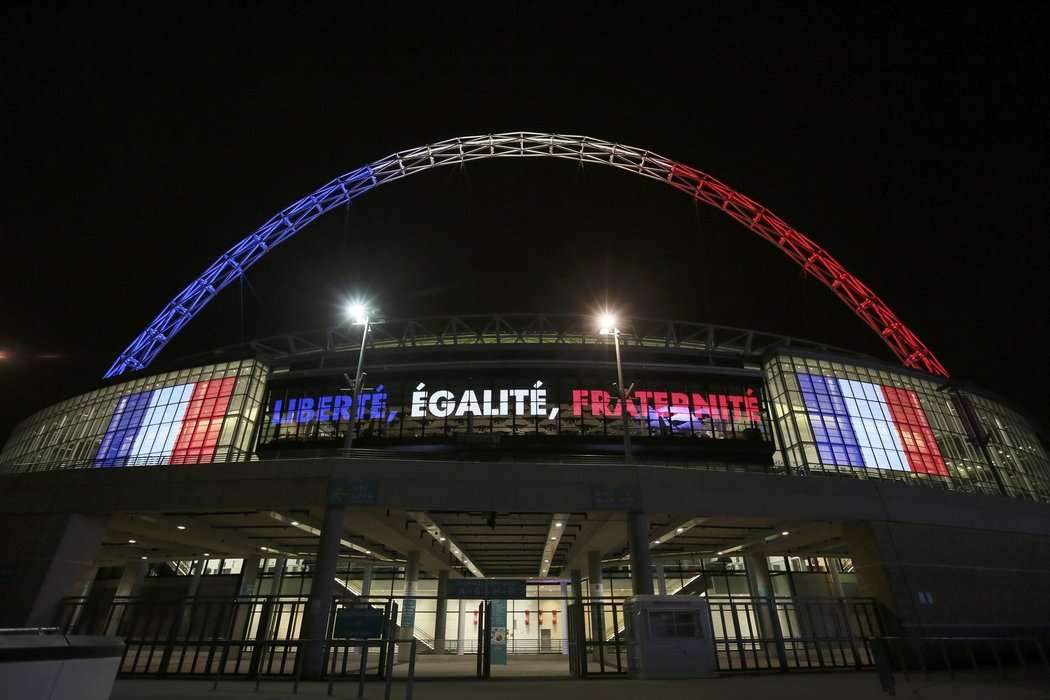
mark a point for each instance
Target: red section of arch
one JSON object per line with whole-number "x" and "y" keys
{"x": 914, "y": 432}
{"x": 203, "y": 420}
{"x": 815, "y": 261}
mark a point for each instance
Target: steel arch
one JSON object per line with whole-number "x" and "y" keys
{"x": 813, "y": 259}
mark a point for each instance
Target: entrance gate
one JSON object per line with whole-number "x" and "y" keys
{"x": 258, "y": 636}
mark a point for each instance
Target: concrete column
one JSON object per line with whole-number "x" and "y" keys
{"x": 758, "y": 574}
{"x": 366, "y": 579}
{"x": 186, "y": 620}
{"x": 461, "y": 632}
{"x": 594, "y": 573}
{"x": 638, "y": 542}
{"x": 277, "y": 580}
{"x": 57, "y": 562}
{"x": 441, "y": 613}
{"x": 563, "y": 624}
{"x": 248, "y": 585}
{"x": 834, "y": 579}
{"x": 130, "y": 579}
{"x": 594, "y": 570}
{"x": 246, "y": 592}
{"x": 262, "y": 634}
{"x": 411, "y": 591}
{"x": 196, "y": 571}
{"x": 319, "y": 604}
{"x": 412, "y": 574}
{"x": 661, "y": 580}
{"x": 133, "y": 574}
{"x": 765, "y": 608}
{"x": 577, "y": 586}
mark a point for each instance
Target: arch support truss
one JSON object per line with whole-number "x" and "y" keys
{"x": 813, "y": 259}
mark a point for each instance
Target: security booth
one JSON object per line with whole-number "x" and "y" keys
{"x": 669, "y": 637}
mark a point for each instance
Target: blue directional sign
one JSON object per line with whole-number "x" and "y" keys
{"x": 352, "y": 492}
{"x": 486, "y": 588}
{"x": 615, "y": 497}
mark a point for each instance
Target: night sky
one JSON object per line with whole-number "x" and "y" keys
{"x": 141, "y": 140}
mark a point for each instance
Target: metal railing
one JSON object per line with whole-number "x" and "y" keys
{"x": 257, "y": 636}
{"x": 341, "y": 655}
{"x": 750, "y": 634}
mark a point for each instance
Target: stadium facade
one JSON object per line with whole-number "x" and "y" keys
{"x": 492, "y": 447}
{"x": 816, "y": 496}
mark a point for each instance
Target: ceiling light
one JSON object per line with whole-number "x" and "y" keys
{"x": 785, "y": 532}
{"x": 681, "y": 529}
{"x": 180, "y": 527}
{"x": 295, "y": 522}
{"x": 143, "y": 557}
{"x": 557, "y": 524}
{"x": 132, "y": 541}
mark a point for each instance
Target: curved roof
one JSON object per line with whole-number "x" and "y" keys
{"x": 533, "y": 330}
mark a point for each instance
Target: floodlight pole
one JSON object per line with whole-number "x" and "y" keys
{"x": 349, "y": 440}
{"x": 627, "y": 456}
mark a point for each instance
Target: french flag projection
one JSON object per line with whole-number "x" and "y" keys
{"x": 859, "y": 424}
{"x": 175, "y": 425}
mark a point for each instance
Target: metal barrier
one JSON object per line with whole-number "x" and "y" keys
{"x": 1012, "y": 657}
{"x": 253, "y": 637}
{"x": 793, "y": 633}
{"x": 337, "y": 650}
{"x": 750, "y": 634}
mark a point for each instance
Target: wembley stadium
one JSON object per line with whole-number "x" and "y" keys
{"x": 223, "y": 508}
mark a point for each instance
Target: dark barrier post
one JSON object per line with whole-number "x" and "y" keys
{"x": 880, "y": 648}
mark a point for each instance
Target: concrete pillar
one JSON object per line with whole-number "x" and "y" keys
{"x": 130, "y": 579}
{"x": 594, "y": 573}
{"x": 186, "y": 620}
{"x": 766, "y": 614}
{"x": 412, "y": 574}
{"x": 577, "y": 585}
{"x": 758, "y": 574}
{"x": 248, "y": 585}
{"x": 245, "y": 600}
{"x": 441, "y": 613}
{"x": 55, "y": 562}
{"x": 408, "y": 606}
{"x": 461, "y": 632}
{"x": 638, "y": 542}
{"x": 262, "y": 631}
{"x": 563, "y": 624}
{"x": 366, "y": 579}
{"x": 277, "y": 580}
{"x": 661, "y": 580}
{"x": 834, "y": 578}
{"x": 322, "y": 586}
{"x": 196, "y": 570}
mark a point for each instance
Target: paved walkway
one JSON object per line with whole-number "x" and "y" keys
{"x": 823, "y": 686}
{"x": 546, "y": 678}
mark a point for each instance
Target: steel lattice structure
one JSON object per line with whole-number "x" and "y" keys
{"x": 813, "y": 259}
